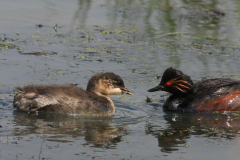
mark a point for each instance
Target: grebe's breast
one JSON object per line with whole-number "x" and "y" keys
{"x": 172, "y": 103}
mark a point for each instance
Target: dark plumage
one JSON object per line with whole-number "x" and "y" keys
{"x": 220, "y": 94}
{"x": 72, "y": 99}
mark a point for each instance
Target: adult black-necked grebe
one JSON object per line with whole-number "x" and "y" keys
{"x": 219, "y": 94}
{"x": 72, "y": 99}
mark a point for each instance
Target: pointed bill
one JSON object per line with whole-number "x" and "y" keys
{"x": 157, "y": 88}
{"x": 126, "y": 91}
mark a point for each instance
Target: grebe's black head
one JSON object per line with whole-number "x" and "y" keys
{"x": 175, "y": 82}
{"x": 107, "y": 84}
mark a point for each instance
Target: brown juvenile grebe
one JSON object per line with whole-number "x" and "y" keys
{"x": 72, "y": 99}
{"x": 219, "y": 94}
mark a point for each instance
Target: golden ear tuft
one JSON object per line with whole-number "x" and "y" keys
{"x": 179, "y": 84}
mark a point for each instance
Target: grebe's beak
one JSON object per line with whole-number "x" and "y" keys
{"x": 157, "y": 88}
{"x": 126, "y": 91}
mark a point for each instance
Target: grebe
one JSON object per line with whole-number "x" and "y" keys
{"x": 72, "y": 99}
{"x": 219, "y": 94}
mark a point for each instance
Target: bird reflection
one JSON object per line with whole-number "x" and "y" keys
{"x": 181, "y": 126}
{"x": 63, "y": 128}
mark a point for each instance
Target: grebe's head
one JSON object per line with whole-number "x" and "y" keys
{"x": 107, "y": 84}
{"x": 175, "y": 82}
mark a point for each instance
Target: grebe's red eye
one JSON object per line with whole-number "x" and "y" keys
{"x": 168, "y": 83}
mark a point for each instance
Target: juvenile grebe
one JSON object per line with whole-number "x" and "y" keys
{"x": 72, "y": 99}
{"x": 219, "y": 94}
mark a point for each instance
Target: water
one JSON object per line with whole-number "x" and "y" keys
{"x": 135, "y": 39}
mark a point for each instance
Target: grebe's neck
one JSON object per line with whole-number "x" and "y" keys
{"x": 104, "y": 101}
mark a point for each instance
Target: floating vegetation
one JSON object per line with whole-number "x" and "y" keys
{"x": 39, "y": 53}
{"x": 7, "y": 46}
{"x": 210, "y": 38}
{"x": 149, "y": 100}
